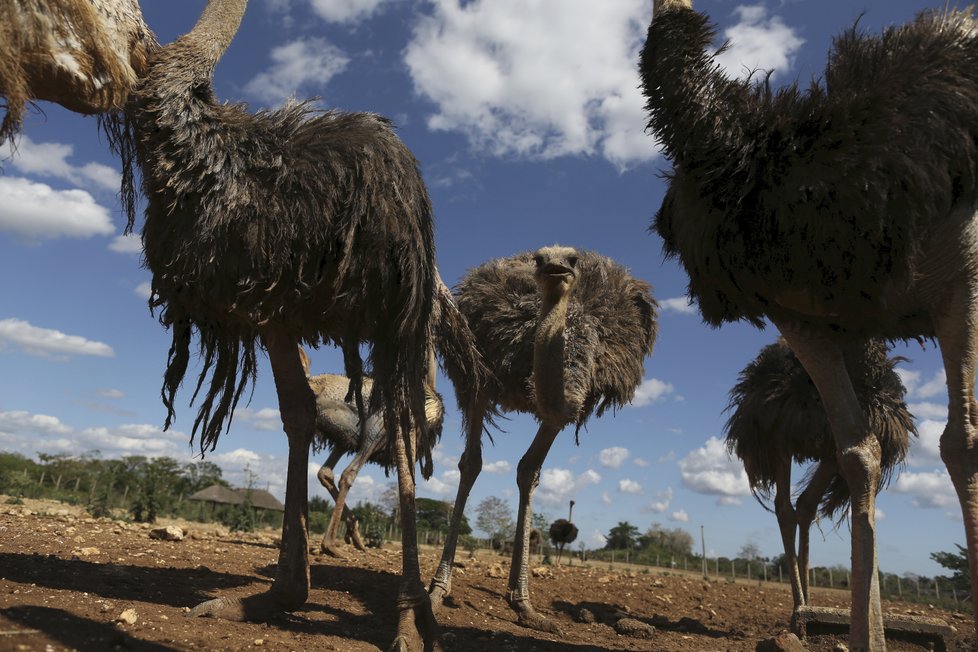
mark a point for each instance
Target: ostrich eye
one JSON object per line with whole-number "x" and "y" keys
{"x": 572, "y": 261}
{"x": 538, "y": 259}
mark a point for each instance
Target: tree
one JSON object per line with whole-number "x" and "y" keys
{"x": 671, "y": 542}
{"x": 495, "y": 518}
{"x": 434, "y": 515}
{"x": 957, "y": 563}
{"x": 622, "y": 537}
{"x": 750, "y": 551}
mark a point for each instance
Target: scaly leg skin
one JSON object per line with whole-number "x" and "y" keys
{"x": 329, "y": 544}
{"x": 787, "y": 524}
{"x": 290, "y": 588}
{"x": 806, "y": 508}
{"x": 858, "y": 454}
{"x": 417, "y": 629}
{"x": 469, "y": 466}
{"x": 527, "y": 478}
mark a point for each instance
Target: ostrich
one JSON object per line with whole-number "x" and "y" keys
{"x": 565, "y": 333}
{"x": 840, "y": 213}
{"x": 777, "y": 418}
{"x": 338, "y": 429}
{"x": 85, "y": 55}
{"x": 280, "y": 228}
{"x": 563, "y": 531}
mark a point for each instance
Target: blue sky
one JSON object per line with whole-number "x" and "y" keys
{"x": 527, "y": 120}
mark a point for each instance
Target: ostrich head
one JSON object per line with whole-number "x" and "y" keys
{"x": 666, "y": 5}
{"x": 556, "y": 270}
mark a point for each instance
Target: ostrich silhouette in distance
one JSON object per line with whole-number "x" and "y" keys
{"x": 277, "y": 229}
{"x": 565, "y": 333}
{"x": 563, "y": 531}
{"x": 85, "y": 55}
{"x": 840, "y": 213}
{"x": 338, "y": 430}
{"x": 777, "y": 419}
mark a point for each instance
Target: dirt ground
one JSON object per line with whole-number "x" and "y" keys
{"x": 71, "y": 582}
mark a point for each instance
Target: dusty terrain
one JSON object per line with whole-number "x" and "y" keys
{"x": 68, "y": 581}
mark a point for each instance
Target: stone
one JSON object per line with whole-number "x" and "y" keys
{"x": 585, "y": 616}
{"x": 87, "y": 552}
{"x": 168, "y": 533}
{"x": 784, "y": 642}
{"x": 634, "y": 628}
{"x": 496, "y": 570}
{"x": 129, "y": 617}
{"x": 541, "y": 571}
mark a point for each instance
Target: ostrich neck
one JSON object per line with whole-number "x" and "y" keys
{"x": 694, "y": 109}
{"x": 215, "y": 30}
{"x": 548, "y": 358}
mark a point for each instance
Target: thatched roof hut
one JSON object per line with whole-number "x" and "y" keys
{"x": 227, "y": 496}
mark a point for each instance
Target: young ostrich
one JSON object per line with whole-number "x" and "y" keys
{"x": 563, "y": 531}
{"x": 338, "y": 429}
{"x": 85, "y": 55}
{"x": 778, "y": 419}
{"x": 841, "y": 213}
{"x": 275, "y": 229}
{"x": 565, "y": 333}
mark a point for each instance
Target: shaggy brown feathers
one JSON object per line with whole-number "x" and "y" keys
{"x": 318, "y": 222}
{"x": 778, "y": 415}
{"x": 822, "y": 194}
{"x": 83, "y": 54}
{"x": 611, "y": 327}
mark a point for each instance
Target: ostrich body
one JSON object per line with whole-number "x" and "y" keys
{"x": 563, "y": 531}
{"x": 277, "y": 229}
{"x": 338, "y": 429}
{"x": 777, "y": 418}
{"x": 565, "y": 333}
{"x": 844, "y": 212}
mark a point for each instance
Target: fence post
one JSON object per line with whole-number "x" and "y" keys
{"x": 830, "y": 578}
{"x": 748, "y": 570}
{"x": 899, "y": 588}
{"x": 937, "y": 589}
{"x": 764, "y": 566}
{"x": 918, "y": 588}
{"x": 733, "y": 570}
{"x": 718, "y": 568}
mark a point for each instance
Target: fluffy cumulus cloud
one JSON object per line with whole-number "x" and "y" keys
{"x": 299, "y": 68}
{"x": 557, "y": 486}
{"x": 629, "y": 486}
{"x": 919, "y": 388}
{"x": 661, "y": 502}
{"x": 927, "y": 490}
{"x": 710, "y": 470}
{"x": 127, "y": 244}
{"x": 502, "y": 466}
{"x": 143, "y": 290}
{"x": 926, "y": 451}
{"x": 650, "y": 391}
{"x": 759, "y": 42}
{"x": 36, "y": 211}
{"x": 51, "y": 160}
{"x": 346, "y": 11}
{"x": 682, "y": 305}
{"x": 47, "y": 342}
{"x": 612, "y": 458}
{"x": 267, "y": 419}
{"x": 680, "y": 516}
{"x": 537, "y": 79}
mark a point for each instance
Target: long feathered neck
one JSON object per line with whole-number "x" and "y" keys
{"x": 694, "y": 109}
{"x": 214, "y": 31}
{"x": 548, "y": 356}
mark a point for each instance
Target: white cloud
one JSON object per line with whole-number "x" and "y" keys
{"x": 759, "y": 42}
{"x": 127, "y": 244}
{"x": 51, "y": 160}
{"x": 928, "y": 410}
{"x": 436, "y": 486}
{"x": 661, "y": 502}
{"x": 640, "y": 462}
{"x": 46, "y": 342}
{"x": 267, "y": 419}
{"x": 37, "y": 211}
{"x": 937, "y": 385}
{"x": 557, "y": 486}
{"x": 19, "y": 422}
{"x": 502, "y": 466}
{"x": 650, "y": 391}
{"x": 729, "y": 501}
{"x": 612, "y": 458}
{"x": 110, "y": 393}
{"x": 606, "y": 499}
{"x": 711, "y": 470}
{"x": 301, "y": 65}
{"x": 143, "y": 290}
{"x": 596, "y": 540}
{"x": 926, "y": 449}
{"x": 667, "y": 458}
{"x": 541, "y": 79}
{"x": 346, "y": 11}
{"x": 682, "y": 305}
{"x": 928, "y": 490}
{"x": 629, "y": 486}
{"x": 681, "y": 516}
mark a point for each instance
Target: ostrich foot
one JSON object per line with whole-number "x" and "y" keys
{"x": 439, "y": 595}
{"x": 262, "y": 607}
{"x": 529, "y": 617}
{"x": 417, "y": 629}
{"x": 355, "y": 540}
{"x": 332, "y": 549}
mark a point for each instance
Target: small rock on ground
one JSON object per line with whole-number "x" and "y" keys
{"x": 634, "y": 628}
{"x": 785, "y": 642}
{"x": 168, "y": 533}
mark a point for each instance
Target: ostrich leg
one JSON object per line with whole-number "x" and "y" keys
{"x": 417, "y": 628}
{"x": 806, "y": 508}
{"x": 297, "y": 405}
{"x": 858, "y": 454}
{"x": 527, "y": 478}
{"x": 328, "y": 480}
{"x": 349, "y": 474}
{"x": 957, "y": 334}
{"x": 469, "y": 467}
{"x": 788, "y": 526}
